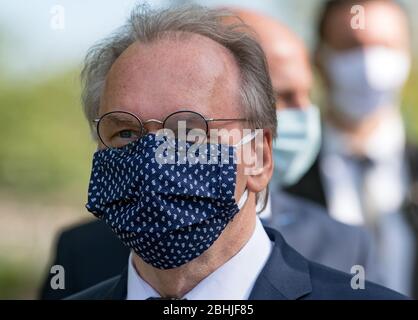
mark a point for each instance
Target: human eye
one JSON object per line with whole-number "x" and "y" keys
{"x": 123, "y": 137}
{"x": 126, "y": 134}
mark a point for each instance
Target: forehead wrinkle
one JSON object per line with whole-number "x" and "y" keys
{"x": 193, "y": 66}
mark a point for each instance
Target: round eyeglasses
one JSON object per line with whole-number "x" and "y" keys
{"x": 119, "y": 128}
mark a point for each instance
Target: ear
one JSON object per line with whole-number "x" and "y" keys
{"x": 258, "y": 176}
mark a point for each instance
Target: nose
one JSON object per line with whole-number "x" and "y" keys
{"x": 297, "y": 101}
{"x": 302, "y": 101}
{"x": 153, "y": 125}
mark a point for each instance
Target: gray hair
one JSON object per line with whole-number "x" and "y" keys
{"x": 146, "y": 25}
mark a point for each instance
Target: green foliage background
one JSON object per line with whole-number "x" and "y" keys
{"x": 45, "y": 159}
{"x": 45, "y": 146}
{"x": 410, "y": 104}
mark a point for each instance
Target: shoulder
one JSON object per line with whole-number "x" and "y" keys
{"x": 337, "y": 230}
{"x": 312, "y": 281}
{"x": 88, "y": 235}
{"x": 308, "y": 215}
{"x": 100, "y": 291}
{"x": 83, "y": 229}
{"x": 328, "y": 283}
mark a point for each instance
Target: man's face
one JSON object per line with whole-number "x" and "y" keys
{"x": 291, "y": 75}
{"x": 364, "y": 66}
{"x": 195, "y": 73}
{"x": 385, "y": 25}
{"x": 287, "y": 59}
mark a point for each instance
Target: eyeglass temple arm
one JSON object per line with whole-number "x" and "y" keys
{"x": 159, "y": 121}
{"x": 212, "y": 119}
{"x": 145, "y": 122}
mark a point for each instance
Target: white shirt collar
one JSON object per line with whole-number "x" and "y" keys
{"x": 234, "y": 280}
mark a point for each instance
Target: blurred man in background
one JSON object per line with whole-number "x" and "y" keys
{"x": 303, "y": 223}
{"x": 362, "y": 174}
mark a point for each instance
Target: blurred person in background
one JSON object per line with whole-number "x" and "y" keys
{"x": 304, "y": 224}
{"x": 362, "y": 174}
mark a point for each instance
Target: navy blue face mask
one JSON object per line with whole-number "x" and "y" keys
{"x": 168, "y": 213}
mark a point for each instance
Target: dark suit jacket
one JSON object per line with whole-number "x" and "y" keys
{"x": 80, "y": 250}
{"x": 308, "y": 228}
{"x": 286, "y": 275}
{"x": 310, "y": 187}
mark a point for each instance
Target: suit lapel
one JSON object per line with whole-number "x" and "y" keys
{"x": 285, "y": 275}
{"x": 119, "y": 290}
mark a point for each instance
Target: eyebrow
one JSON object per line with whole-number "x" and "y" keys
{"x": 117, "y": 121}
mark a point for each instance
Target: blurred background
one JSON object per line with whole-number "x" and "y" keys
{"x": 45, "y": 146}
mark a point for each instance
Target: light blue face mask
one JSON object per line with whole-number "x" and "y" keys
{"x": 297, "y": 144}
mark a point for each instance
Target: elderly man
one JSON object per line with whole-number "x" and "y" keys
{"x": 304, "y": 225}
{"x": 192, "y": 227}
{"x": 362, "y": 172}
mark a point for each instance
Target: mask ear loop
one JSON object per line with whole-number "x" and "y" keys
{"x": 243, "y": 199}
{"x": 246, "y": 139}
{"x": 243, "y": 141}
